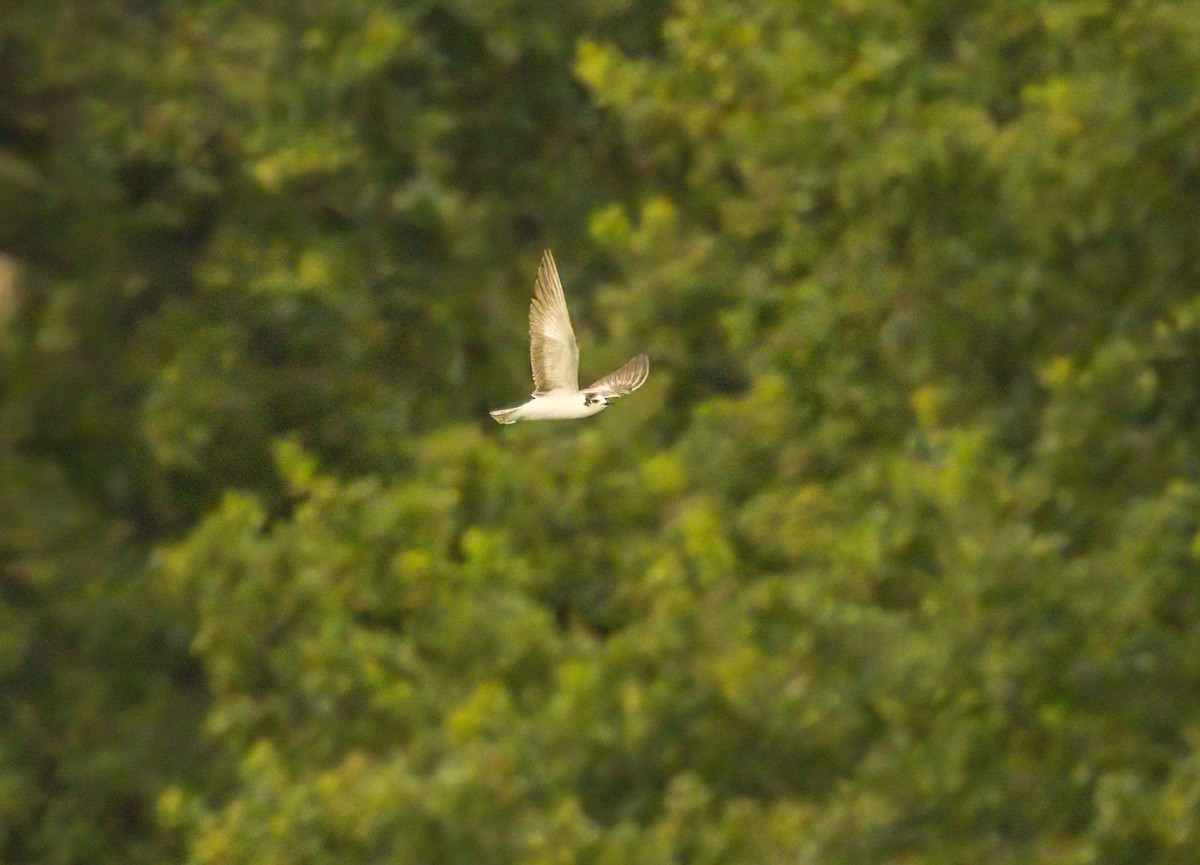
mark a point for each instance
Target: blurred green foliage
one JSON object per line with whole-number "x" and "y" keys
{"x": 895, "y": 559}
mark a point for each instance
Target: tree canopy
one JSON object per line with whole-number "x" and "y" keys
{"x": 894, "y": 559}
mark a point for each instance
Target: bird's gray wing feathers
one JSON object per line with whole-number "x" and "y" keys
{"x": 553, "y": 352}
{"x": 625, "y": 380}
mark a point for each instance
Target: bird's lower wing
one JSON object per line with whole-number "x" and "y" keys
{"x": 625, "y": 380}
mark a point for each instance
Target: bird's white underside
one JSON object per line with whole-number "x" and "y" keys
{"x": 557, "y": 405}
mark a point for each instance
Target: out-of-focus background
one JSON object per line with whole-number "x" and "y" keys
{"x": 893, "y": 560}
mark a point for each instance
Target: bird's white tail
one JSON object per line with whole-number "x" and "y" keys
{"x": 504, "y": 415}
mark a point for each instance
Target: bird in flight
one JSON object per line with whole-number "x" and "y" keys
{"x": 554, "y": 355}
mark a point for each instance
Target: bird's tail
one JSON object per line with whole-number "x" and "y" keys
{"x": 504, "y": 415}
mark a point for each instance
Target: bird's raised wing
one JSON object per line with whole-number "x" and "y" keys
{"x": 553, "y": 352}
{"x": 625, "y": 380}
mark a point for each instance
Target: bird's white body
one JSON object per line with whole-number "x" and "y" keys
{"x": 556, "y": 405}
{"x": 554, "y": 356}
